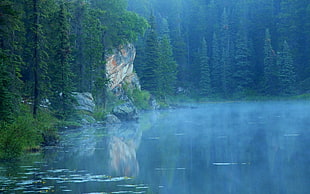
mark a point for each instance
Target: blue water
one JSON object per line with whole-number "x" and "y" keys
{"x": 237, "y": 147}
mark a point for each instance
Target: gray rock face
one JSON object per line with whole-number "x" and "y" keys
{"x": 112, "y": 119}
{"x": 85, "y": 101}
{"x": 126, "y": 112}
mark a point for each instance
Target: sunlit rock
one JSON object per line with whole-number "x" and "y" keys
{"x": 119, "y": 67}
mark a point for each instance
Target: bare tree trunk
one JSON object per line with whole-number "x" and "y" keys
{"x": 36, "y": 59}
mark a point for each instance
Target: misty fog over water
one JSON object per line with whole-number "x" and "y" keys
{"x": 234, "y": 147}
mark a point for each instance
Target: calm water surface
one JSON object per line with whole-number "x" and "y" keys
{"x": 260, "y": 147}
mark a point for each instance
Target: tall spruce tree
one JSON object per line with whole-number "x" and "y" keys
{"x": 60, "y": 70}
{"x": 79, "y": 11}
{"x": 10, "y": 60}
{"x": 243, "y": 75}
{"x": 167, "y": 68}
{"x": 287, "y": 76}
{"x": 36, "y": 32}
{"x": 150, "y": 67}
{"x": 216, "y": 67}
{"x": 270, "y": 84}
{"x": 37, "y": 51}
{"x": 205, "y": 79}
{"x": 225, "y": 47}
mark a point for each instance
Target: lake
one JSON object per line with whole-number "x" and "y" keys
{"x": 233, "y": 147}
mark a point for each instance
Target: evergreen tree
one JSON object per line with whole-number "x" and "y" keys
{"x": 79, "y": 11}
{"x": 205, "y": 80}
{"x": 294, "y": 27}
{"x": 287, "y": 76}
{"x": 167, "y": 68}
{"x": 226, "y": 47}
{"x": 150, "y": 66}
{"x": 7, "y": 97}
{"x": 10, "y": 60}
{"x": 216, "y": 67}
{"x": 37, "y": 50}
{"x": 270, "y": 67}
{"x": 243, "y": 76}
{"x": 61, "y": 75}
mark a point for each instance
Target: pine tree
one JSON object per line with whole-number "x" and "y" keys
{"x": 167, "y": 68}
{"x": 7, "y": 97}
{"x": 225, "y": 47}
{"x": 149, "y": 68}
{"x": 37, "y": 50}
{"x": 61, "y": 75}
{"x": 79, "y": 11}
{"x": 287, "y": 76}
{"x": 243, "y": 76}
{"x": 270, "y": 67}
{"x": 205, "y": 80}
{"x": 10, "y": 60}
{"x": 216, "y": 67}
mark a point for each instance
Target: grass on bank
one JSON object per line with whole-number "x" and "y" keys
{"x": 26, "y": 133}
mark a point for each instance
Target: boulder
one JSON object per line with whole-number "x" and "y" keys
{"x": 85, "y": 101}
{"x": 112, "y": 119}
{"x": 126, "y": 112}
{"x": 153, "y": 103}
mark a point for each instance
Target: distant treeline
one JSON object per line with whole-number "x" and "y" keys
{"x": 229, "y": 49}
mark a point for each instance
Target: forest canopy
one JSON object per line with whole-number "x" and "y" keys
{"x": 207, "y": 48}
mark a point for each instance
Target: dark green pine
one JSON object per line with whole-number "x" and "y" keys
{"x": 205, "y": 80}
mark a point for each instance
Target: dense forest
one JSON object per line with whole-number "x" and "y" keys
{"x": 231, "y": 49}
{"x": 48, "y": 50}
{"x": 213, "y": 49}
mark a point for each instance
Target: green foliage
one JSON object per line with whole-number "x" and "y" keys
{"x": 60, "y": 71}
{"x": 302, "y": 97}
{"x": 270, "y": 67}
{"x": 243, "y": 75}
{"x": 148, "y": 76}
{"x": 26, "y": 133}
{"x": 7, "y": 98}
{"x": 167, "y": 68}
{"x": 287, "y": 76}
{"x": 141, "y": 99}
{"x": 205, "y": 79}
{"x": 216, "y": 67}
{"x": 100, "y": 113}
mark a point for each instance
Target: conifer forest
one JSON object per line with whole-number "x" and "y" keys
{"x": 201, "y": 49}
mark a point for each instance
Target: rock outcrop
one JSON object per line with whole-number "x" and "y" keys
{"x": 120, "y": 72}
{"x": 126, "y": 112}
{"x": 85, "y": 101}
{"x": 119, "y": 67}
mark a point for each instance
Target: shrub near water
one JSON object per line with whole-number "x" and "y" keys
{"x": 141, "y": 99}
{"x": 17, "y": 136}
{"x": 25, "y": 133}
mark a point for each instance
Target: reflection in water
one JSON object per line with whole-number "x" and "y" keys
{"x": 93, "y": 159}
{"x": 224, "y": 148}
{"x": 122, "y": 145}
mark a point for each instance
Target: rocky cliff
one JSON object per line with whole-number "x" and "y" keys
{"x": 119, "y": 71}
{"x": 119, "y": 67}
